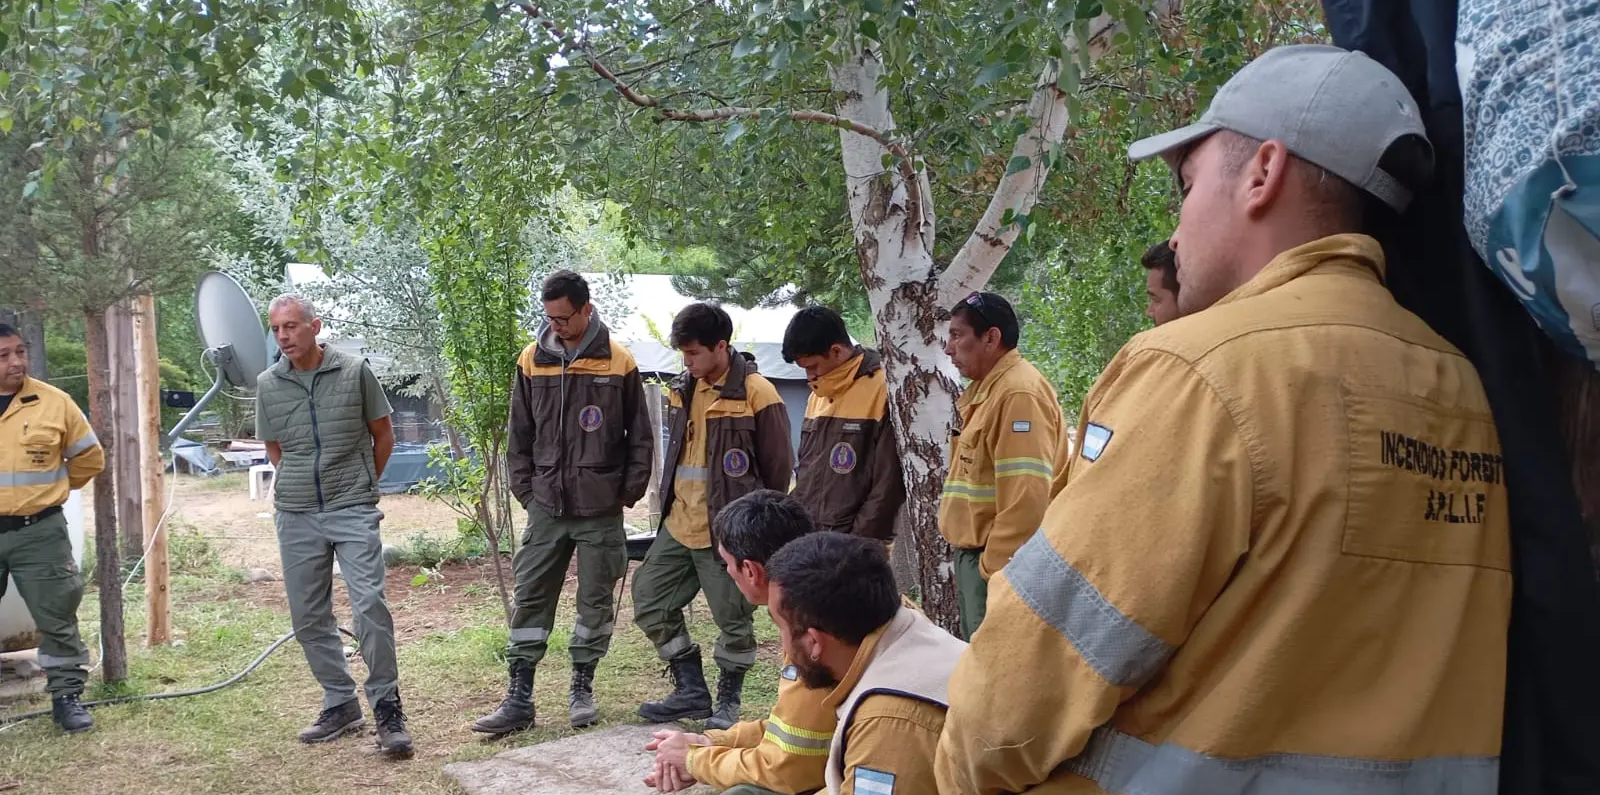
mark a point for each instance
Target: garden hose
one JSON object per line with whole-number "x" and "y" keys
{"x": 229, "y": 682}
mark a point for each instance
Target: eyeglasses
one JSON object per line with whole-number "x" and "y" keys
{"x": 978, "y": 303}
{"x": 559, "y": 320}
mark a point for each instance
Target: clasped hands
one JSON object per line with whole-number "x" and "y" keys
{"x": 671, "y": 771}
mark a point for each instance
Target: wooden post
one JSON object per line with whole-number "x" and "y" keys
{"x": 654, "y": 400}
{"x": 125, "y": 426}
{"x": 158, "y": 626}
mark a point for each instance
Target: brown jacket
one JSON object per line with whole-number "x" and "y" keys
{"x": 747, "y": 437}
{"x": 849, "y": 476}
{"x": 581, "y": 440}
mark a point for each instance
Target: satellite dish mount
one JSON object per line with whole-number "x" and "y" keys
{"x": 236, "y": 344}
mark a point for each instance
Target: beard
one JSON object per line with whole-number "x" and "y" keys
{"x": 813, "y": 674}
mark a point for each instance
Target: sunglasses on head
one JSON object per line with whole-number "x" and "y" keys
{"x": 978, "y": 303}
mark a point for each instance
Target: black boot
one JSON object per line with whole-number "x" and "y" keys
{"x": 581, "y": 701}
{"x": 690, "y": 699}
{"x": 334, "y": 722}
{"x": 516, "y": 711}
{"x": 730, "y": 688}
{"x": 391, "y": 719}
{"x": 69, "y": 714}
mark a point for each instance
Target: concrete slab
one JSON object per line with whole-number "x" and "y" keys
{"x": 609, "y": 761}
{"x": 20, "y": 674}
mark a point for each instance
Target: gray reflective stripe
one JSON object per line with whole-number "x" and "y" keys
{"x": 674, "y": 647}
{"x": 88, "y": 441}
{"x": 14, "y": 479}
{"x": 1023, "y": 467}
{"x": 1115, "y": 646}
{"x": 529, "y": 634}
{"x": 581, "y": 632}
{"x": 1122, "y": 763}
{"x": 691, "y": 473}
{"x": 49, "y": 661}
{"x": 738, "y": 658}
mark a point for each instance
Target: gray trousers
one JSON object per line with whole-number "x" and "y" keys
{"x": 972, "y": 590}
{"x": 308, "y": 543}
{"x": 541, "y": 570}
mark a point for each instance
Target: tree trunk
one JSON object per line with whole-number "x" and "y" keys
{"x": 108, "y": 567}
{"x": 125, "y": 425}
{"x": 892, "y": 219}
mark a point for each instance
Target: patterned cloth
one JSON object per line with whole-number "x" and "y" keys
{"x": 1530, "y": 81}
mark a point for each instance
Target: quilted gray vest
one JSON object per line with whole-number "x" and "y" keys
{"x": 327, "y": 449}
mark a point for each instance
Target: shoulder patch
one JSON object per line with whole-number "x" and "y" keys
{"x": 1095, "y": 439}
{"x": 873, "y": 782}
{"x": 790, "y": 673}
{"x": 1021, "y": 426}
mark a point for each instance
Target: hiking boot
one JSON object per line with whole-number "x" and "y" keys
{"x": 730, "y": 688}
{"x": 69, "y": 714}
{"x": 334, "y": 722}
{"x": 392, "y": 737}
{"x": 581, "y": 701}
{"x": 689, "y": 698}
{"x": 516, "y": 711}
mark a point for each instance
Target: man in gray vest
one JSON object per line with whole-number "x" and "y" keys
{"x": 326, "y": 424}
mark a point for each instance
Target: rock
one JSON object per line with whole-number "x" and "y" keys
{"x": 259, "y": 575}
{"x": 609, "y": 761}
{"x": 350, "y": 652}
{"x": 393, "y": 555}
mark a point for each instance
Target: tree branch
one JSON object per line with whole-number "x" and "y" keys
{"x": 1018, "y": 191}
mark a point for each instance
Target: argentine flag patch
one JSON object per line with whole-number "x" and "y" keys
{"x": 873, "y": 782}
{"x": 1095, "y": 439}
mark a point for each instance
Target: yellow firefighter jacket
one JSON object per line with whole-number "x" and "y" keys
{"x": 1280, "y": 564}
{"x": 47, "y": 449}
{"x": 1001, "y": 462}
{"x": 849, "y": 474}
{"x": 786, "y": 753}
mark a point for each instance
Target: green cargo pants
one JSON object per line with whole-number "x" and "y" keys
{"x": 39, "y": 557}
{"x": 972, "y": 590}
{"x": 666, "y": 583}
{"x": 541, "y": 569}
{"x": 308, "y": 543}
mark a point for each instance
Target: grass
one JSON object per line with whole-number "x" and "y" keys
{"x": 242, "y": 739}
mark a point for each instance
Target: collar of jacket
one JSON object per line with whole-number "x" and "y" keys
{"x": 1349, "y": 255}
{"x": 864, "y": 363}
{"x": 332, "y": 359}
{"x": 28, "y": 388}
{"x": 740, "y": 364}
{"x": 979, "y": 392}
{"x": 858, "y": 664}
{"x": 596, "y": 344}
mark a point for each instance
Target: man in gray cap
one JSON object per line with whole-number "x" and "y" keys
{"x": 1280, "y": 559}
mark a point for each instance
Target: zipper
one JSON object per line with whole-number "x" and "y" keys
{"x": 561, "y": 441}
{"x": 316, "y": 439}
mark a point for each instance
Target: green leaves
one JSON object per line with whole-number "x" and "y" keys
{"x": 991, "y": 73}
{"x": 1017, "y": 164}
{"x": 745, "y": 46}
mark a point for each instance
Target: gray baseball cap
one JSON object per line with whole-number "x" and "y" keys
{"x": 1338, "y": 109}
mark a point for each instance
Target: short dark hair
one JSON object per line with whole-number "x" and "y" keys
{"x": 8, "y": 330}
{"x": 1161, "y": 256}
{"x": 702, "y": 323}
{"x": 837, "y": 583}
{"x": 757, "y": 525}
{"x": 1341, "y": 205}
{"x": 813, "y": 332}
{"x": 566, "y": 284}
{"x": 984, "y": 311}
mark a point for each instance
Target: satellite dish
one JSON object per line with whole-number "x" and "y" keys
{"x": 230, "y": 326}
{"x": 236, "y": 343}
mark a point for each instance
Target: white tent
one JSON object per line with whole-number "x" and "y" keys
{"x": 653, "y": 303}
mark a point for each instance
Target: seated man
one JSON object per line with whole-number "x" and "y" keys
{"x": 786, "y": 752}
{"x": 883, "y": 665}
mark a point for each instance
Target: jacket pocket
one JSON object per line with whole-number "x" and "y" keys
{"x": 41, "y": 448}
{"x": 597, "y": 426}
{"x": 545, "y": 401}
